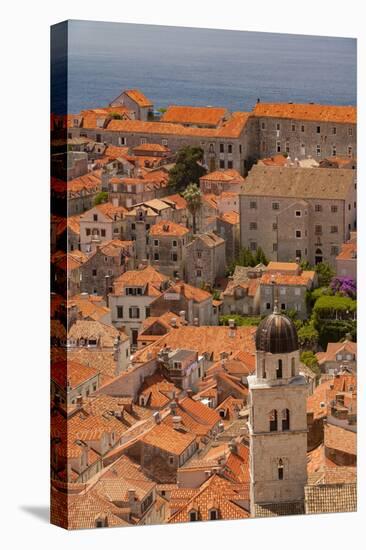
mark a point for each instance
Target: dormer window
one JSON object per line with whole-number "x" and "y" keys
{"x": 95, "y": 217}
{"x": 193, "y": 515}
{"x": 214, "y": 514}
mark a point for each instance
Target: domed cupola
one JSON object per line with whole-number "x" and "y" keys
{"x": 276, "y": 333}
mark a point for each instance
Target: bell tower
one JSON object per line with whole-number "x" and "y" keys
{"x": 277, "y": 420}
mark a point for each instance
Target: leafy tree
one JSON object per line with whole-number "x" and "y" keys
{"x": 259, "y": 257}
{"x": 162, "y": 110}
{"x": 309, "y": 359}
{"x": 325, "y": 273}
{"x": 193, "y": 196}
{"x": 305, "y": 265}
{"x": 216, "y": 294}
{"x": 187, "y": 169}
{"x": 239, "y": 320}
{"x": 308, "y": 336}
{"x": 101, "y": 197}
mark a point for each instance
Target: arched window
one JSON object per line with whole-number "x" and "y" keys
{"x": 273, "y": 421}
{"x": 285, "y": 420}
{"x": 280, "y": 469}
{"x": 213, "y": 514}
{"x": 279, "y": 369}
{"x": 264, "y": 375}
{"x": 293, "y": 371}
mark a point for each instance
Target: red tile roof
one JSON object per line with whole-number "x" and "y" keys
{"x": 307, "y": 111}
{"x": 194, "y": 115}
{"x": 168, "y": 228}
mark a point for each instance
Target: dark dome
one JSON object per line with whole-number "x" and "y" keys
{"x": 276, "y": 333}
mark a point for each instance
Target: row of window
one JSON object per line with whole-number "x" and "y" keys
{"x": 133, "y": 312}
{"x": 253, "y": 226}
{"x": 334, "y": 250}
{"x": 296, "y": 307}
{"x": 268, "y": 291}
{"x": 123, "y": 141}
{"x": 303, "y": 127}
{"x": 253, "y": 205}
{"x": 173, "y": 256}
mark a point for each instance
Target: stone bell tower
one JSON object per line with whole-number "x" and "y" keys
{"x": 277, "y": 421}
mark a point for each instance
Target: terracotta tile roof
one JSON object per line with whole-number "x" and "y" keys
{"x": 333, "y": 348}
{"x": 72, "y": 372}
{"x": 194, "y": 115}
{"x": 283, "y": 266}
{"x": 276, "y": 160}
{"x": 166, "y": 438}
{"x": 158, "y": 391}
{"x": 141, "y": 277}
{"x": 138, "y": 97}
{"x": 151, "y": 147}
{"x": 230, "y": 217}
{"x": 105, "y": 335}
{"x": 168, "y": 228}
{"x": 58, "y": 330}
{"x": 210, "y": 239}
{"x": 178, "y": 200}
{"x": 305, "y": 279}
{"x": 89, "y": 182}
{"x": 317, "y": 402}
{"x": 189, "y": 292}
{"x": 232, "y": 176}
{"x": 110, "y": 210}
{"x": 199, "y": 412}
{"x": 231, "y": 129}
{"x": 307, "y": 111}
{"x": 210, "y": 339}
{"x": 348, "y": 252}
{"x": 85, "y": 509}
{"x": 340, "y": 439}
{"x": 115, "y": 152}
{"x": 273, "y": 181}
{"x": 217, "y": 494}
{"x": 321, "y": 499}
{"x": 89, "y": 306}
{"x": 71, "y": 223}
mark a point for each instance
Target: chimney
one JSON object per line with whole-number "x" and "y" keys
{"x": 79, "y": 401}
{"x": 233, "y": 447}
{"x": 182, "y": 315}
{"x": 157, "y": 417}
{"x": 196, "y": 322}
{"x": 173, "y": 322}
{"x": 131, "y": 495}
{"x": 84, "y": 295}
{"x": 177, "y": 422}
{"x": 189, "y": 393}
{"x": 173, "y": 407}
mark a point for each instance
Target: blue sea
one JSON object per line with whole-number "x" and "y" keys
{"x": 177, "y": 65}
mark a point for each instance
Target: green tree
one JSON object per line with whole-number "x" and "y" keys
{"x": 239, "y": 320}
{"x": 308, "y": 336}
{"x": 101, "y": 197}
{"x": 325, "y": 273}
{"x": 187, "y": 169}
{"x": 309, "y": 359}
{"x": 260, "y": 257}
{"x": 192, "y": 195}
{"x": 115, "y": 116}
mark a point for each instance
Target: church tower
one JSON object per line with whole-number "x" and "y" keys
{"x": 277, "y": 421}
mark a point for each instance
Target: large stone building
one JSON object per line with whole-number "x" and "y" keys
{"x": 234, "y": 140}
{"x": 205, "y": 259}
{"x": 298, "y": 213}
{"x": 167, "y": 247}
{"x": 100, "y": 224}
{"x": 278, "y": 421}
{"x": 109, "y": 261}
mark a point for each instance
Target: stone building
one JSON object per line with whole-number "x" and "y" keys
{"x": 206, "y": 259}
{"x": 241, "y": 296}
{"x": 71, "y": 381}
{"x": 100, "y": 224}
{"x": 191, "y": 305}
{"x": 128, "y": 191}
{"x": 105, "y": 265}
{"x": 287, "y": 284}
{"x": 338, "y": 356}
{"x": 228, "y": 227}
{"x": 132, "y": 295}
{"x": 78, "y": 194}
{"x": 301, "y": 130}
{"x": 298, "y": 213}
{"x": 167, "y": 247}
{"x": 277, "y": 421}
{"x": 142, "y": 217}
{"x": 135, "y": 101}
{"x": 220, "y": 181}
{"x": 346, "y": 261}
{"x": 183, "y": 367}
{"x": 66, "y": 271}
{"x": 234, "y": 141}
